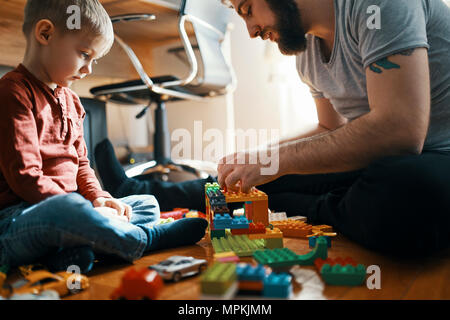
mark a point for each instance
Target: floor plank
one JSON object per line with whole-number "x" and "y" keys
{"x": 400, "y": 279}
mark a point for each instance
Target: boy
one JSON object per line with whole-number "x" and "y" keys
{"x": 52, "y": 207}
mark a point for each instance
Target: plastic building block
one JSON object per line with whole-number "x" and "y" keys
{"x": 253, "y": 195}
{"x": 277, "y": 216}
{"x": 254, "y": 286}
{"x": 293, "y": 228}
{"x": 299, "y": 218}
{"x": 240, "y": 244}
{"x": 343, "y": 262}
{"x": 239, "y": 223}
{"x": 222, "y": 221}
{"x": 195, "y": 214}
{"x": 323, "y": 228}
{"x": 176, "y": 214}
{"x": 277, "y": 285}
{"x": 247, "y": 272}
{"x": 139, "y": 284}
{"x": 257, "y": 228}
{"x": 341, "y": 272}
{"x": 348, "y": 275}
{"x": 273, "y": 243}
{"x": 218, "y": 278}
{"x": 319, "y": 251}
{"x": 312, "y": 241}
{"x": 274, "y": 233}
{"x": 276, "y": 257}
{"x": 285, "y": 257}
{"x": 226, "y": 257}
{"x": 217, "y": 233}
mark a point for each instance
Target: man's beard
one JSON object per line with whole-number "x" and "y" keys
{"x": 292, "y": 38}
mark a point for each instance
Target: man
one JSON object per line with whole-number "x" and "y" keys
{"x": 377, "y": 166}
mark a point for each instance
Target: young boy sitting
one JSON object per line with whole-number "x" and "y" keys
{"x": 52, "y": 207}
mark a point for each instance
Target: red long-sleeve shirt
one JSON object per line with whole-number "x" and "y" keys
{"x": 42, "y": 149}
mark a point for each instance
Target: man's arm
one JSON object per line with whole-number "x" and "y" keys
{"x": 399, "y": 97}
{"x": 329, "y": 120}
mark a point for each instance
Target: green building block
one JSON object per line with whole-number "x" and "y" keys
{"x": 217, "y": 234}
{"x": 273, "y": 243}
{"x": 285, "y": 257}
{"x": 348, "y": 275}
{"x": 276, "y": 257}
{"x": 320, "y": 251}
{"x": 218, "y": 278}
{"x": 241, "y": 245}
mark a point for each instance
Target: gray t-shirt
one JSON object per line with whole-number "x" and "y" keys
{"x": 405, "y": 24}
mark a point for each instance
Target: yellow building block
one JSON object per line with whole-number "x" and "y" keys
{"x": 293, "y": 228}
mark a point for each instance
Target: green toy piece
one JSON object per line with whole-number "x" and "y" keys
{"x": 348, "y": 275}
{"x": 285, "y": 257}
{"x": 218, "y": 278}
{"x": 241, "y": 245}
{"x": 217, "y": 234}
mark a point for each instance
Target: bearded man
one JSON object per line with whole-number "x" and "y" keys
{"x": 377, "y": 164}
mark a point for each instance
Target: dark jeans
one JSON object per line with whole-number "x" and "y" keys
{"x": 397, "y": 205}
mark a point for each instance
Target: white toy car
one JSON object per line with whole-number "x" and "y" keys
{"x": 176, "y": 267}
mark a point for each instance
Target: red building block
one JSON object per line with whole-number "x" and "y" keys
{"x": 252, "y": 229}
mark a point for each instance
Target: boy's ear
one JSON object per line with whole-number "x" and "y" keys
{"x": 44, "y": 31}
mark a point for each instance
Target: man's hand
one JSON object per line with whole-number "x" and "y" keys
{"x": 121, "y": 210}
{"x": 244, "y": 170}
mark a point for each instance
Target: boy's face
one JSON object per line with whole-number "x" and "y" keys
{"x": 70, "y": 56}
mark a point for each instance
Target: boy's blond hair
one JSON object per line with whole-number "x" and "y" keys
{"x": 94, "y": 18}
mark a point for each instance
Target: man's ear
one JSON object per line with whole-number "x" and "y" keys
{"x": 44, "y": 31}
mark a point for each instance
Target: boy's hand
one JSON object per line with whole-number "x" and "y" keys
{"x": 122, "y": 209}
{"x": 110, "y": 213}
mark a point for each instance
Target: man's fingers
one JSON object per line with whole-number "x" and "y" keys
{"x": 232, "y": 179}
{"x": 246, "y": 186}
{"x": 223, "y": 174}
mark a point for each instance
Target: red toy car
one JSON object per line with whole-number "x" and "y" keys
{"x": 139, "y": 284}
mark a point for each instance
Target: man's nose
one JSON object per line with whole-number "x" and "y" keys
{"x": 253, "y": 30}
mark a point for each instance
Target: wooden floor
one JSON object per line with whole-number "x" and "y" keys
{"x": 400, "y": 279}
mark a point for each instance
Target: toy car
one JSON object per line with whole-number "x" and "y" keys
{"x": 44, "y": 295}
{"x": 176, "y": 267}
{"x": 38, "y": 281}
{"x": 139, "y": 284}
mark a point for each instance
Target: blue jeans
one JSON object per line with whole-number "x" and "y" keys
{"x": 29, "y": 232}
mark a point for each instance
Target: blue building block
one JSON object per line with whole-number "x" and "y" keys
{"x": 312, "y": 241}
{"x": 239, "y": 223}
{"x": 277, "y": 285}
{"x": 222, "y": 221}
{"x": 247, "y": 272}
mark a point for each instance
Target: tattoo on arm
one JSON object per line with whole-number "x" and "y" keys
{"x": 386, "y": 64}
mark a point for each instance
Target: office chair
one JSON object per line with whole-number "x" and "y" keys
{"x": 209, "y": 20}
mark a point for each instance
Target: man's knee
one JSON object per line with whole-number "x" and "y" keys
{"x": 404, "y": 209}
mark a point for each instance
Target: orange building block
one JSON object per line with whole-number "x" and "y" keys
{"x": 293, "y": 228}
{"x": 251, "y": 285}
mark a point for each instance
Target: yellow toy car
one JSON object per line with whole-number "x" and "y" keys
{"x": 62, "y": 282}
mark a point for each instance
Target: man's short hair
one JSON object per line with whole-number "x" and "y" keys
{"x": 93, "y": 16}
